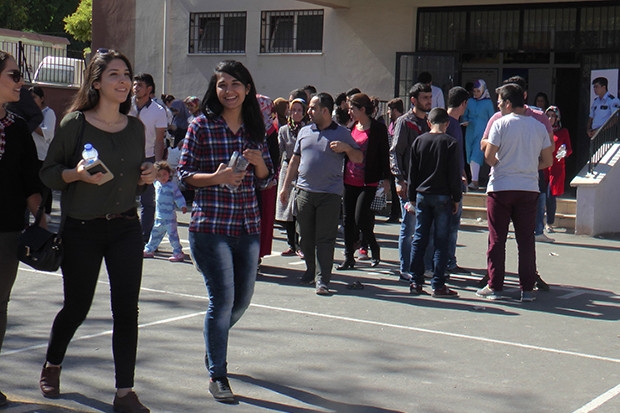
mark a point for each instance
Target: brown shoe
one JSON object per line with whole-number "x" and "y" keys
{"x": 50, "y": 382}
{"x": 129, "y": 404}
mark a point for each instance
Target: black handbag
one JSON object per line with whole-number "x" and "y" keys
{"x": 38, "y": 247}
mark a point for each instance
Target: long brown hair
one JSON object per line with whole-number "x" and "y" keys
{"x": 88, "y": 97}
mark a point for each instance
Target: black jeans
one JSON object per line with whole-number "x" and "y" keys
{"x": 359, "y": 217}
{"x": 87, "y": 243}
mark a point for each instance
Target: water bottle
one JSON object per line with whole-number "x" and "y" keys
{"x": 239, "y": 164}
{"x": 561, "y": 152}
{"x": 89, "y": 154}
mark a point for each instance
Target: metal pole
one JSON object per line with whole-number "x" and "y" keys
{"x": 164, "y": 79}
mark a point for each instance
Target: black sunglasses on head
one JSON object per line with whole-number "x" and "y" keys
{"x": 102, "y": 50}
{"x": 16, "y": 75}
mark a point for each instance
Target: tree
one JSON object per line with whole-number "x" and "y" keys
{"x": 39, "y": 16}
{"x": 80, "y": 23}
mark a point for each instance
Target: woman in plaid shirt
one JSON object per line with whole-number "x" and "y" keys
{"x": 225, "y": 223}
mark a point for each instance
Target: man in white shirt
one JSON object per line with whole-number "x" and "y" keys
{"x": 155, "y": 121}
{"x": 517, "y": 147}
{"x": 438, "y": 99}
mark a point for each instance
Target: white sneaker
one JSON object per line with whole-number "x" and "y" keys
{"x": 488, "y": 293}
{"x": 543, "y": 238}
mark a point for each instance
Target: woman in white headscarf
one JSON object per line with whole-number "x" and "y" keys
{"x": 479, "y": 111}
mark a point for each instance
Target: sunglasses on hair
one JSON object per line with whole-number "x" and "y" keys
{"x": 16, "y": 75}
{"x": 102, "y": 50}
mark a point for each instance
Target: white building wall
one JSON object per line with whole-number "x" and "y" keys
{"x": 359, "y": 47}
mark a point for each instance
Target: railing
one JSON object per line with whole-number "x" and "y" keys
{"x": 29, "y": 56}
{"x": 603, "y": 139}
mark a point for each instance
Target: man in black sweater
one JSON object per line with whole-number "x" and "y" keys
{"x": 434, "y": 192}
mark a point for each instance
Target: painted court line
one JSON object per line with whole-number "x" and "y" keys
{"x": 587, "y": 408}
{"x": 599, "y": 401}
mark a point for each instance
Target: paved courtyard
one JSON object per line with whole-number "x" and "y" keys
{"x": 372, "y": 350}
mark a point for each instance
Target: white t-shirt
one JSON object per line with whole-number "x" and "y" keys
{"x": 42, "y": 142}
{"x": 153, "y": 116}
{"x": 520, "y": 139}
{"x": 438, "y": 100}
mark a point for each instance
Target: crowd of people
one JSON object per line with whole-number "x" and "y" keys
{"x": 243, "y": 160}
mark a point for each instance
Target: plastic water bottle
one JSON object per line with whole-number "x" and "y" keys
{"x": 89, "y": 154}
{"x": 561, "y": 152}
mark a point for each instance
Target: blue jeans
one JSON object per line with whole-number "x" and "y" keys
{"x": 405, "y": 237}
{"x": 551, "y": 207}
{"x": 540, "y": 214}
{"x": 437, "y": 210}
{"x": 455, "y": 223}
{"x": 228, "y": 265}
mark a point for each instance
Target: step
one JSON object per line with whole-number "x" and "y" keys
{"x": 474, "y": 207}
{"x": 479, "y": 199}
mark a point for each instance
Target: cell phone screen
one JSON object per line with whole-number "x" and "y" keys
{"x": 96, "y": 169}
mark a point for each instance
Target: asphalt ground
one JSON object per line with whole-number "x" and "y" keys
{"x": 376, "y": 349}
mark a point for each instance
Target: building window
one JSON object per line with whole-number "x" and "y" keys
{"x": 217, "y": 32}
{"x": 292, "y": 31}
{"x": 587, "y": 26}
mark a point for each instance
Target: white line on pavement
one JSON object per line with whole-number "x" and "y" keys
{"x": 599, "y": 401}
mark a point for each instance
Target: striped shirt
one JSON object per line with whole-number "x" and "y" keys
{"x": 166, "y": 197}
{"x": 216, "y": 209}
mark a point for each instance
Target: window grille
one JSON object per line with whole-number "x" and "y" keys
{"x": 515, "y": 28}
{"x": 292, "y": 31}
{"x": 217, "y": 32}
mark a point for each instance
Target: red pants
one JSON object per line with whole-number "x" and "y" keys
{"x": 520, "y": 207}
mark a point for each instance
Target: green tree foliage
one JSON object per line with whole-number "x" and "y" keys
{"x": 40, "y": 16}
{"x": 80, "y": 23}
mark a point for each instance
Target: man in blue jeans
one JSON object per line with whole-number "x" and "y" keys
{"x": 407, "y": 128}
{"x": 435, "y": 191}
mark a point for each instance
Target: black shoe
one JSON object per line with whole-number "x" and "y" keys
{"x": 416, "y": 289}
{"x": 129, "y": 404}
{"x": 458, "y": 270}
{"x": 220, "y": 389}
{"x": 348, "y": 263}
{"x": 3, "y": 400}
{"x": 540, "y": 284}
{"x": 445, "y": 292}
{"x": 306, "y": 279}
{"x": 374, "y": 262}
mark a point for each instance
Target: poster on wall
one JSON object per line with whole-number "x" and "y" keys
{"x": 612, "y": 79}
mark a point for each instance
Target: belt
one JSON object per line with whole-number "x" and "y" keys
{"x": 129, "y": 214}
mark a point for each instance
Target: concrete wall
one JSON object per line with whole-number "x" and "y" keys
{"x": 359, "y": 47}
{"x": 598, "y": 196}
{"x": 361, "y": 39}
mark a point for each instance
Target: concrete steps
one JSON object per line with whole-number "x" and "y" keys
{"x": 474, "y": 207}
